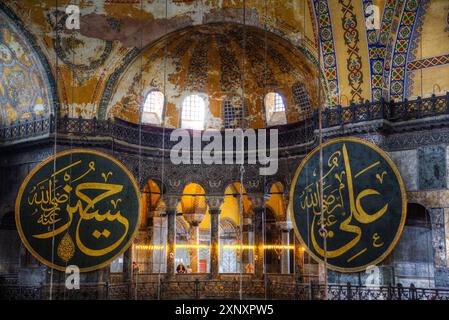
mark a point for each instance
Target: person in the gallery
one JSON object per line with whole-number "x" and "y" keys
{"x": 181, "y": 268}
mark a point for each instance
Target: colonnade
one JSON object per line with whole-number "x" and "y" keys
{"x": 252, "y": 235}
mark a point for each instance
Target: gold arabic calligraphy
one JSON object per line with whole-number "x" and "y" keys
{"x": 341, "y": 206}
{"x": 52, "y": 201}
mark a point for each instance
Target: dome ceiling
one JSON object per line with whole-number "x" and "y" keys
{"x": 217, "y": 61}
{"x": 23, "y": 85}
{"x": 96, "y": 69}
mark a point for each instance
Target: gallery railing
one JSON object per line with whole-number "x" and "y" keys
{"x": 291, "y": 134}
{"x": 222, "y": 289}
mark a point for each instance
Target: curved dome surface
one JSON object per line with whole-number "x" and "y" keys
{"x": 219, "y": 62}
{"x": 24, "y": 92}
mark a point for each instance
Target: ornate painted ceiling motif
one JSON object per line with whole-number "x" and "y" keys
{"x": 24, "y": 86}
{"x": 415, "y": 40}
{"x": 428, "y": 62}
{"x": 329, "y": 58}
{"x": 377, "y": 41}
{"x": 401, "y": 49}
{"x": 211, "y": 59}
{"x": 257, "y": 58}
{"x": 354, "y": 60}
{"x": 197, "y": 74}
{"x": 390, "y": 37}
{"x": 95, "y": 58}
{"x": 230, "y": 71}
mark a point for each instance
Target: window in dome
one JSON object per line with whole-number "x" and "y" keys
{"x": 275, "y": 109}
{"x": 301, "y": 98}
{"x": 152, "y": 109}
{"x": 233, "y": 113}
{"x": 193, "y": 112}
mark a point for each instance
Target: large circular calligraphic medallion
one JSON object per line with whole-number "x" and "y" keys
{"x": 79, "y": 207}
{"x": 363, "y": 209}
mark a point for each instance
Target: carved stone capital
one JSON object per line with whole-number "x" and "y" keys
{"x": 171, "y": 202}
{"x": 214, "y": 202}
{"x": 284, "y": 225}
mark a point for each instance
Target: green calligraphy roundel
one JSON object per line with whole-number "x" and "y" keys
{"x": 79, "y": 207}
{"x": 362, "y": 214}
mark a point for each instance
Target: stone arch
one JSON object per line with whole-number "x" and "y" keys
{"x": 276, "y": 201}
{"x": 413, "y": 257}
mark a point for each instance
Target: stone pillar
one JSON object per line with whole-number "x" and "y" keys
{"x": 438, "y": 236}
{"x": 299, "y": 257}
{"x": 259, "y": 216}
{"x": 127, "y": 264}
{"x": 150, "y": 239}
{"x": 194, "y": 240}
{"x": 194, "y": 219}
{"x": 247, "y": 239}
{"x": 160, "y": 239}
{"x": 285, "y": 228}
{"x": 171, "y": 203}
{"x": 214, "y": 203}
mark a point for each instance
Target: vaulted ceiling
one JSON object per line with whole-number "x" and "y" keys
{"x": 405, "y": 55}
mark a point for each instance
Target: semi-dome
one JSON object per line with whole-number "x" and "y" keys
{"x": 24, "y": 86}
{"x": 220, "y": 63}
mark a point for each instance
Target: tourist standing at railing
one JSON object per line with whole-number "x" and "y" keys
{"x": 181, "y": 268}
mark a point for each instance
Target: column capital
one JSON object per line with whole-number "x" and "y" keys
{"x": 285, "y": 225}
{"x": 171, "y": 202}
{"x": 214, "y": 202}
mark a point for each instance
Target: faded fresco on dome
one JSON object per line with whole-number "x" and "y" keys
{"x": 23, "y": 90}
{"x": 218, "y": 61}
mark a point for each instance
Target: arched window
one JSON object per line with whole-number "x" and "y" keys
{"x": 152, "y": 109}
{"x": 233, "y": 112}
{"x": 301, "y": 98}
{"x": 193, "y": 112}
{"x": 275, "y": 109}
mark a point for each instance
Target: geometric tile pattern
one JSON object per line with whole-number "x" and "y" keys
{"x": 401, "y": 49}
{"x": 377, "y": 42}
{"x": 414, "y": 46}
{"x": 428, "y": 62}
{"x": 326, "y": 37}
{"x": 390, "y": 38}
{"x": 354, "y": 60}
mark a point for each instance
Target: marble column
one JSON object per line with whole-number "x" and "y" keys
{"x": 127, "y": 265}
{"x": 247, "y": 239}
{"x": 194, "y": 219}
{"x": 299, "y": 260}
{"x": 160, "y": 239}
{"x": 171, "y": 203}
{"x": 194, "y": 240}
{"x": 150, "y": 239}
{"x": 214, "y": 203}
{"x": 285, "y": 228}
{"x": 285, "y": 259}
{"x": 438, "y": 236}
{"x": 259, "y": 216}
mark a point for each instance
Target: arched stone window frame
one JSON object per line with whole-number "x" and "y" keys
{"x": 182, "y": 120}
{"x": 161, "y": 116}
{"x": 281, "y": 114}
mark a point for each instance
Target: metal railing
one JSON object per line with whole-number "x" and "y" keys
{"x": 291, "y": 134}
{"x": 223, "y": 289}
